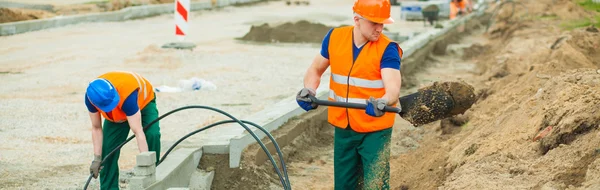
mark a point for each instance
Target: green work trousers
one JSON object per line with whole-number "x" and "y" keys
{"x": 116, "y": 133}
{"x": 361, "y": 160}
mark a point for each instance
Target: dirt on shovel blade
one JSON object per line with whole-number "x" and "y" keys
{"x": 438, "y": 101}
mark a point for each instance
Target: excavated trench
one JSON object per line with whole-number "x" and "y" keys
{"x": 307, "y": 140}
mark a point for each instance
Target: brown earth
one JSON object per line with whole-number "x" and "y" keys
{"x": 526, "y": 83}
{"x": 301, "y": 31}
{"x": 14, "y": 14}
{"x": 532, "y": 80}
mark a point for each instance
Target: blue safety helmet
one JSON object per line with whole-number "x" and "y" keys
{"x": 103, "y": 94}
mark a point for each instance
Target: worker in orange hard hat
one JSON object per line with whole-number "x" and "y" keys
{"x": 460, "y": 7}
{"x": 365, "y": 68}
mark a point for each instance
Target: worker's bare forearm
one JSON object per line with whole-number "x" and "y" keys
{"x": 97, "y": 135}
{"x": 141, "y": 141}
{"x": 392, "y": 81}
{"x": 312, "y": 78}
{"x": 135, "y": 123}
{"x": 97, "y": 140}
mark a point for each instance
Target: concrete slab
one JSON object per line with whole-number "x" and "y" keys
{"x": 201, "y": 180}
{"x": 176, "y": 169}
{"x": 146, "y": 159}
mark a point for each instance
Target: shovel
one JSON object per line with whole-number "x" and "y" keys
{"x": 437, "y": 101}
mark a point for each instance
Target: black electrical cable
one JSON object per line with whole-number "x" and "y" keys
{"x": 232, "y": 121}
{"x": 283, "y": 182}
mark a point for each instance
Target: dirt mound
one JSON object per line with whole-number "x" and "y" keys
{"x": 10, "y": 16}
{"x": 14, "y": 14}
{"x": 536, "y": 123}
{"x": 298, "y": 32}
{"x": 533, "y": 85}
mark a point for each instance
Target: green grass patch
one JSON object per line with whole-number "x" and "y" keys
{"x": 589, "y": 5}
{"x": 97, "y": 2}
{"x": 573, "y": 24}
{"x": 584, "y": 22}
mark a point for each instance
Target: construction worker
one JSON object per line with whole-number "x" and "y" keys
{"x": 127, "y": 101}
{"x": 365, "y": 68}
{"x": 460, "y": 7}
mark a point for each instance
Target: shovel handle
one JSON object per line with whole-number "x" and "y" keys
{"x": 351, "y": 105}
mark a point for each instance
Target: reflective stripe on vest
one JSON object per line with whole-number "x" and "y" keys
{"x": 337, "y": 98}
{"x": 140, "y": 81}
{"x": 358, "y": 82}
{"x": 354, "y": 81}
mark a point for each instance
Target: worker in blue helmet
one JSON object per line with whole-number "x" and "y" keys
{"x": 126, "y": 101}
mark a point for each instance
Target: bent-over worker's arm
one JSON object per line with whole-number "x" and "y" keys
{"x": 96, "y": 120}
{"x": 96, "y": 132}
{"x": 134, "y": 117}
{"x": 135, "y": 123}
{"x": 312, "y": 78}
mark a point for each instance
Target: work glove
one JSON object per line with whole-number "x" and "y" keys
{"x": 303, "y": 100}
{"x": 375, "y": 107}
{"x": 95, "y": 167}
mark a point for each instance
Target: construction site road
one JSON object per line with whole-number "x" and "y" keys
{"x": 45, "y": 132}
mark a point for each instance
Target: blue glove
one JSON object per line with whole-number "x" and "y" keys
{"x": 303, "y": 101}
{"x": 375, "y": 107}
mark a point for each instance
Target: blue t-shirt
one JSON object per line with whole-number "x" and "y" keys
{"x": 130, "y": 106}
{"x": 390, "y": 58}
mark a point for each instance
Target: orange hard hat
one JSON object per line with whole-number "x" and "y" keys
{"x": 377, "y": 11}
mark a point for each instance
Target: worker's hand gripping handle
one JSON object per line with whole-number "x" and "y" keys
{"x": 351, "y": 105}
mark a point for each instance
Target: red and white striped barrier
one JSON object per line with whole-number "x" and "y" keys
{"x": 182, "y": 8}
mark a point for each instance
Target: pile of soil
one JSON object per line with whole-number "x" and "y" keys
{"x": 298, "y": 32}
{"x": 14, "y": 14}
{"x": 535, "y": 125}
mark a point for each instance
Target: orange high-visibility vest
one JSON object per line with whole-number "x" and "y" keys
{"x": 453, "y": 10}
{"x": 356, "y": 81}
{"x": 125, "y": 83}
{"x": 456, "y": 7}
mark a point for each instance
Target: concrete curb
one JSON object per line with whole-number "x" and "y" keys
{"x": 120, "y": 15}
{"x": 176, "y": 171}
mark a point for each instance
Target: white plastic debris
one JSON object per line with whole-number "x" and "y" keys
{"x": 191, "y": 84}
